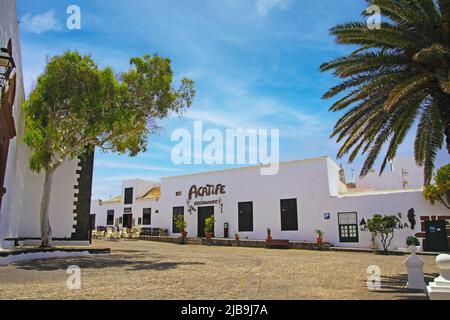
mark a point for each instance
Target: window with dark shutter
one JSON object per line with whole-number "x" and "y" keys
{"x": 128, "y": 196}
{"x": 348, "y": 227}
{"x": 177, "y": 211}
{"x": 245, "y": 216}
{"x": 289, "y": 215}
{"x": 110, "y": 218}
{"x": 147, "y": 216}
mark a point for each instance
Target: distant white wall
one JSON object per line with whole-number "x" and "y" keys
{"x": 140, "y": 188}
{"x": 101, "y": 211}
{"x": 393, "y": 179}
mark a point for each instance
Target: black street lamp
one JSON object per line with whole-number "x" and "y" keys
{"x": 6, "y": 65}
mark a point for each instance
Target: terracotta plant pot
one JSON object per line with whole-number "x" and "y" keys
{"x": 184, "y": 234}
{"x": 237, "y": 238}
{"x": 319, "y": 241}
{"x": 209, "y": 235}
{"x": 269, "y": 239}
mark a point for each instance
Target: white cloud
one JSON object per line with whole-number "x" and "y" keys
{"x": 263, "y": 7}
{"x": 40, "y": 23}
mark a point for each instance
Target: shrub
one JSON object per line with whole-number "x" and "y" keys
{"x": 412, "y": 241}
{"x": 383, "y": 227}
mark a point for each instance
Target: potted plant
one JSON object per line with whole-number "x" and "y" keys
{"x": 181, "y": 224}
{"x": 209, "y": 227}
{"x": 413, "y": 244}
{"x": 319, "y": 236}
{"x": 237, "y": 237}
{"x": 269, "y": 235}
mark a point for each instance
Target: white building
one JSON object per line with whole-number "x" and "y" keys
{"x": 304, "y": 196}
{"x": 20, "y": 201}
{"x": 134, "y": 207}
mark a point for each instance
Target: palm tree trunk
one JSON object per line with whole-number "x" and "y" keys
{"x": 446, "y": 121}
{"x": 46, "y": 230}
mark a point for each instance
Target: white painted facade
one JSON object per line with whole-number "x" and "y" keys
{"x": 316, "y": 186}
{"x": 19, "y": 216}
{"x": 140, "y": 188}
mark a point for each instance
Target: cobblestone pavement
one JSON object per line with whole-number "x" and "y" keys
{"x": 150, "y": 270}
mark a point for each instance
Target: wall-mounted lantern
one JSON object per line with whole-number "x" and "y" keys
{"x": 7, "y": 64}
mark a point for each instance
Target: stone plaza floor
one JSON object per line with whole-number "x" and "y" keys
{"x": 150, "y": 270}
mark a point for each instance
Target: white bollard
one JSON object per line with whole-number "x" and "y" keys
{"x": 414, "y": 265}
{"x": 440, "y": 288}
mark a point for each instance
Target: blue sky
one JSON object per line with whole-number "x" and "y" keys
{"x": 255, "y": 64}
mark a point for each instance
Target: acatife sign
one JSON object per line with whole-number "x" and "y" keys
{"x": 206, "y": 191}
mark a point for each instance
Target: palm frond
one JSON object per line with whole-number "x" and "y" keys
{"x": 406, "y": 89}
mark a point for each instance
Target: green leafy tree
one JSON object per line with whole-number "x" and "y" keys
{"x": 75, "y": 105}
{"x": 383, "y": 227}
{"x": 399, "y": 74}
{"x": 440, "y": 191}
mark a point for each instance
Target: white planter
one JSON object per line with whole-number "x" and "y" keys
{"x": 440, "y": 288}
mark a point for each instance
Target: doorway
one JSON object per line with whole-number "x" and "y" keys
{"x": 127, "y": 221}
{"x": 436, "y": 236}
{"x": 203, "y": 214}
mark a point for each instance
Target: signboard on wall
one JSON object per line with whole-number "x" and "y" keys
{"x": 206, "y": 191}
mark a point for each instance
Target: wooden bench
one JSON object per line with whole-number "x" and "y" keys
{"x": 277, "y": 244}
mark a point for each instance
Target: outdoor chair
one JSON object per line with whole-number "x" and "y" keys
{"x": 109, "y": 234}
{"x": 125, "y": 234}
{"x": 135, "y": 235}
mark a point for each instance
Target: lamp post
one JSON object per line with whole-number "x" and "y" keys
{"x": 6, "y": 65}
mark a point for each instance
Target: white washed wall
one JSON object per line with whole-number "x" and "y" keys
{"x": 310, "y": 182}
{"x": 19, "y": 215}
{"x": 140, "y": 187}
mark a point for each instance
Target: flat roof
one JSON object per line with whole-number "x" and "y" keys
{"x": 250, "y": 167}
{"x": 377, "y": 192}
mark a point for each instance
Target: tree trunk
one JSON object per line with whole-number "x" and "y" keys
{"x": 46, "y": 230}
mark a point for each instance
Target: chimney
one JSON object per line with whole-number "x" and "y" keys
{"x": 342, "y": 175}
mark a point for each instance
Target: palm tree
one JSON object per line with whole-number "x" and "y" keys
{"x": 398, "y": 77}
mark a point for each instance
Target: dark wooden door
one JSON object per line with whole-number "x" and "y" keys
{"x": 289, "y": 215}
{"x": 203, "y": 214}
{"x": 436, "y": 236}
{"x": 127, "y": 221}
